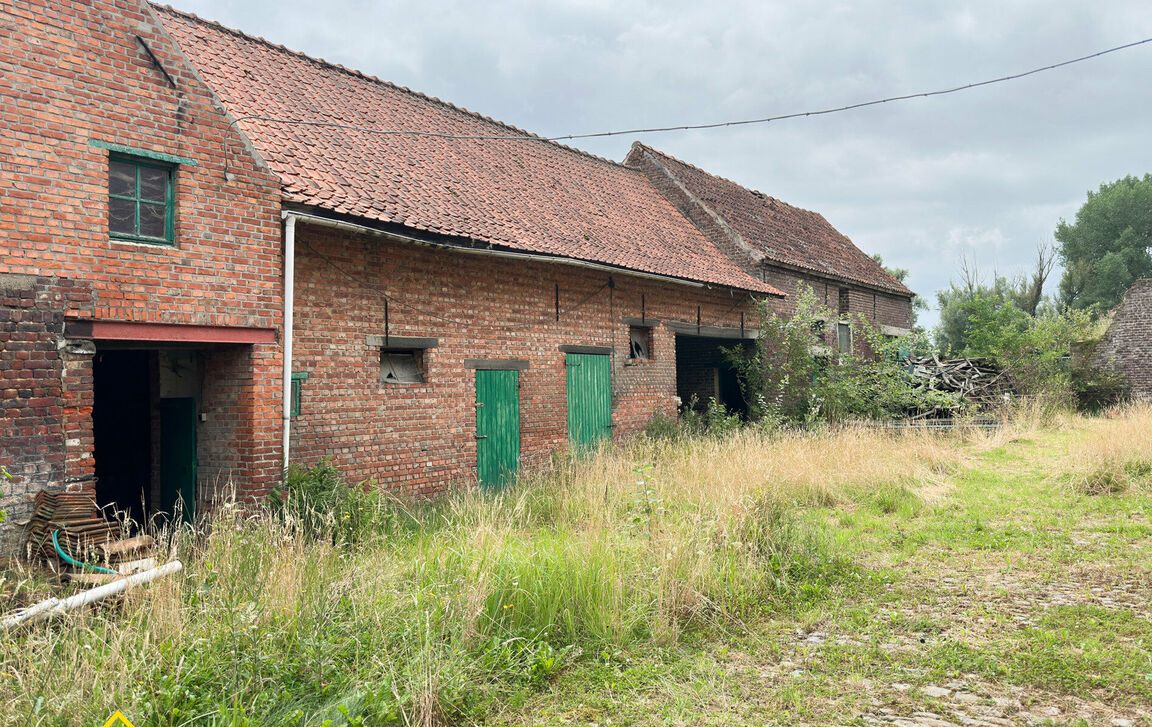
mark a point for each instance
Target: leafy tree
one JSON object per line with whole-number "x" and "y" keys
{"x": 1108, "y": 246}
{"x": 960, "y": 303}
{"x": 1011, "y": 301}
{"x": 1034, "y": 349}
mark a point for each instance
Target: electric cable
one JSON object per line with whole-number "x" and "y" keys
{"x": 686, "y": 127}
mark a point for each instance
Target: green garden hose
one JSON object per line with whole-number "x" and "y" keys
{"x": 72, "y": 561}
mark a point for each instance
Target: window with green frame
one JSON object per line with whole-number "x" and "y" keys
{"x": 141, "y": 200}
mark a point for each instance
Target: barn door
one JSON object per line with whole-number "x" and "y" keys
{"x": 178, "y": 457}
{"x": 497, "y": 426}
{"x": 589, "y": 399}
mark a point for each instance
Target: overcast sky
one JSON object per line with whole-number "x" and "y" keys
{"x": 985, "y": 173}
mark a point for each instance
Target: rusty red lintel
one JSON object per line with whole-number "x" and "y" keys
{"x": 121, "y": 331}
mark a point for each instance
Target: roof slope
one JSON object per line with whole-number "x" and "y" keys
{"x": 532, "y": 196}
{"x": 763, "y": 228}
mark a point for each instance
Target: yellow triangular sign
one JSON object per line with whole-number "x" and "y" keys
{"x": 118, "y": 718}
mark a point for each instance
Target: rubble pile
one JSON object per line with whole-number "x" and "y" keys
{"x": 976, "y": 379}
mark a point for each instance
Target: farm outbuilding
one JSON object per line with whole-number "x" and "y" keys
{"x": 223, "y": 260}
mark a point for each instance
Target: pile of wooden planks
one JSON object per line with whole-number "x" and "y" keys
{"x": 82, "y": 528}
{"x": 976, "y": 379}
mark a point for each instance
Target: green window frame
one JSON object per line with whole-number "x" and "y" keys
{"x": 141, "y": 200}
{"x": 297, "y": 389}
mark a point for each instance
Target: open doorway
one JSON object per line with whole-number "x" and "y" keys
{"x": 144, "y": 419}
{"x": 122, "y": 431}
{"x": 704, "y": 372}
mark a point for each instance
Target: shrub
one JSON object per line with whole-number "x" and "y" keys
{"x": 661, "y": 426}
{"x": 789, "y": 379}
{"x": 4, "y": 474}
{"x": 318, "y": 503}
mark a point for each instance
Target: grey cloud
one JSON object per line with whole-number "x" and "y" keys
{"x": 987, "y": 172}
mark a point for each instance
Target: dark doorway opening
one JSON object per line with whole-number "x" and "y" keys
{"x": 122, "y": 431}
{"x": 144, "y": 418}
{"x": 704, "y": 372}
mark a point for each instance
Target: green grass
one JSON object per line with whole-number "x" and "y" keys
{"x": 781, "y": 587}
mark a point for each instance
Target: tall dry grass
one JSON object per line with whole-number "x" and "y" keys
{"x": 1113, "y": 455}
{"x": 434, "y": 610}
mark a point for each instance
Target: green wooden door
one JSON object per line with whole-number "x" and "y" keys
{"x": 178, "y": 456}
{"x": 589, "y": 399}
{"x": 497, "y": 426}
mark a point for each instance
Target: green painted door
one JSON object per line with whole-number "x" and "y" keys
{"x": 178, "y": 456}
{"x": 589, "y": 399}
{"x": 497, "y": 426}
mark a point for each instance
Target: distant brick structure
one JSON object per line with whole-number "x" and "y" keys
{"x": 788, "y": 247}
{"x": 1127, "y": 345}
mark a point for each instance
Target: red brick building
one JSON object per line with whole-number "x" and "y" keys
{"x": 181, "y": 201}
{"x": 140, "y": 293}
{"x": 783, "y": 245}
{"x": 466, "y": 297}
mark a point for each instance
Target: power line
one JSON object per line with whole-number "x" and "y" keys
{"x": 692, "y": 127}
{"x": 850, "y": 107}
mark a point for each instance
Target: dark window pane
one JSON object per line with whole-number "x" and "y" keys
{"x": 122, "y": 179}
{"x": 638, "y": 338}
{"x": 152, "y": 219}
{"x": 400, "y": 367}
{"x": 122, "y": 216}
{"x": 153, "y": 184}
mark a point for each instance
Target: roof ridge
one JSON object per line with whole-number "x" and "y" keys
{"x": 374, "y": 79}
{"x": 820, "y": 216}
{"x": 732, "y": 181}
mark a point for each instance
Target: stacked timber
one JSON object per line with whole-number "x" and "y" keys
{"x": 976, "y": 379}
{"x": 77, "y": 520}
{"x": 86, "y": 537}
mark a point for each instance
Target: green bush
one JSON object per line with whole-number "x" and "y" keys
{"x": 713, "y": 420}
{"x": 661, "y": 426}
{"x": 790, "y": 379}
{"x": 318, "y": 503}
{"x": 4, "y": 474}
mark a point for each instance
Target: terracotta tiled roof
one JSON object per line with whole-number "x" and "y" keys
{"x": 532, "y": 196}
{"x": 777, "y": 231}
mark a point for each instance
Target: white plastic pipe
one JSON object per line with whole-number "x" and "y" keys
{"x": 289, "y": 299}
{"x": 54, "y": 606}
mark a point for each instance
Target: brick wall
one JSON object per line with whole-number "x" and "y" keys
{"x": 420, "y": 437}
{"x": 1127, "y": 345}
{"x": 73, "y": 76}
{"x": 46, "y": 429}
{"x": 878, "y": 308}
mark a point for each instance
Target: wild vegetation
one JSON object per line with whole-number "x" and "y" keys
{"x": 349, "y": 606}
{"x": 787, "y": 385}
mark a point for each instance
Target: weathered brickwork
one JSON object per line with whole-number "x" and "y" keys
{"x": 421, "y": 437}
{"x": 875, "y": 304}
{"x": 1127, "y": 345}
{"x": 75, "y": 77}
{"x": 876, "y": 307}
{"x": 42, "y": 380}
{"x": 82, "y": 79}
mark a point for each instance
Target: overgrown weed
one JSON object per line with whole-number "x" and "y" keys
{"x": 359, "y": 607}
{"x": 1114, "y": 456}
